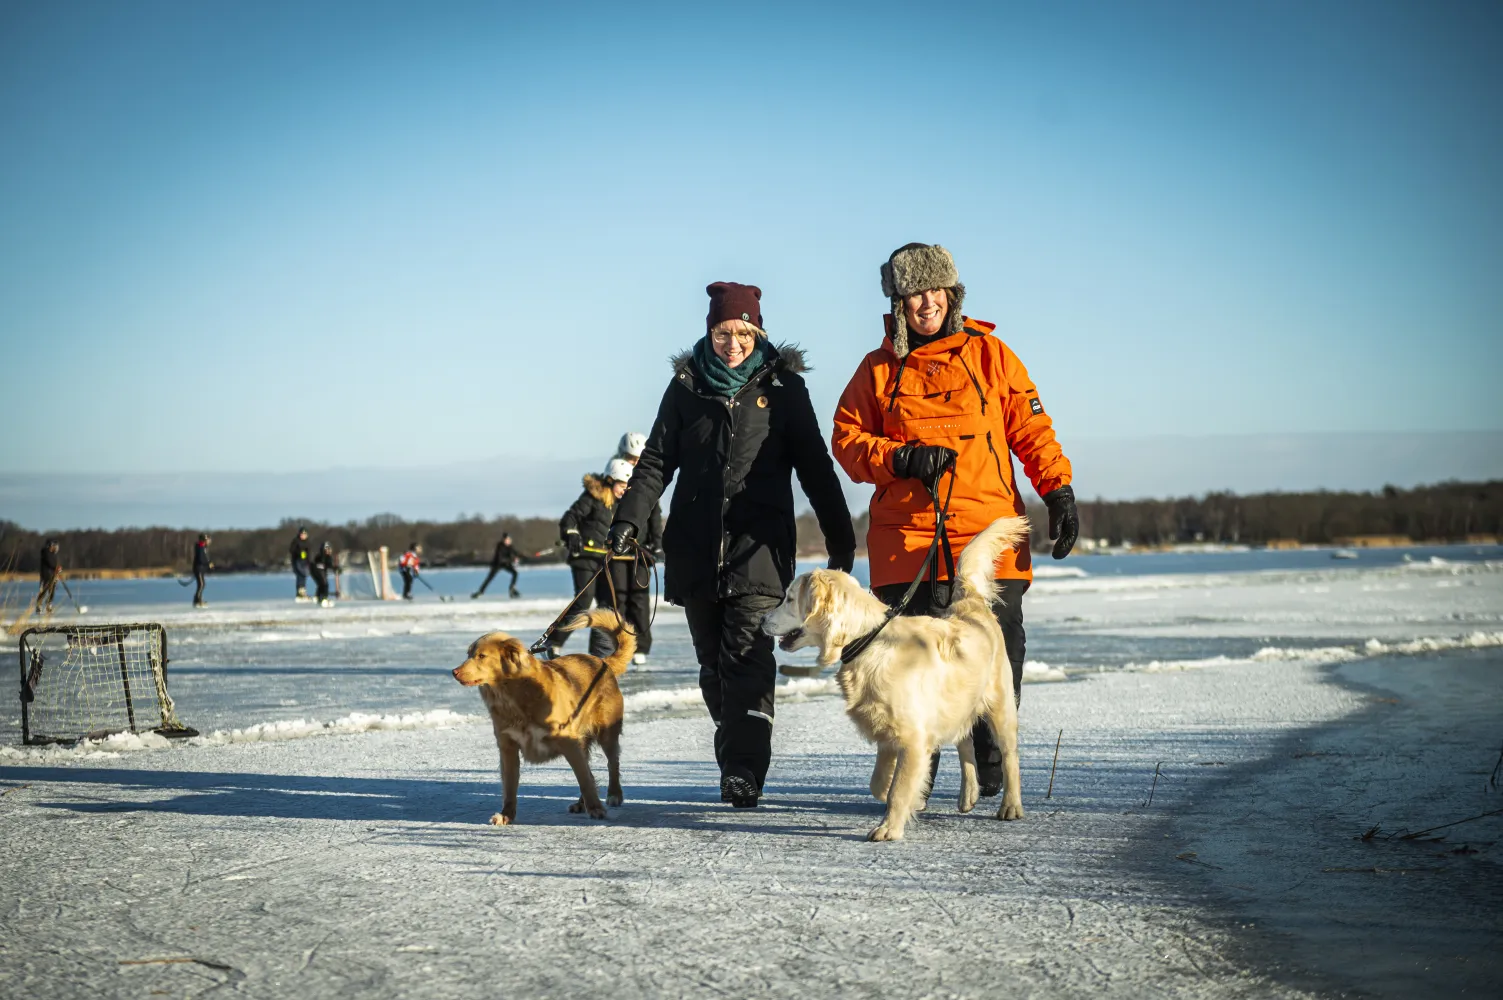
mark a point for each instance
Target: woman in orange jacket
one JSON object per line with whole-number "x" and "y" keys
{"x": 943, "y": 395}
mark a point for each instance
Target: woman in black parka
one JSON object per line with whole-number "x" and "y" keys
{"x": 735, "y": 425}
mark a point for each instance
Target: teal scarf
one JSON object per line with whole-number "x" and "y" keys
{"x": 722, "y": 379}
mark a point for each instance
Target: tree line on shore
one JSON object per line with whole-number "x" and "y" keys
{"x": 1450, "y": 511}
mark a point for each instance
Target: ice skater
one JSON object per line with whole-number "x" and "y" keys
{"x": 324, "y": 565}
{"x": 50, "y": 571}
{"x": 298, "y": 550}
{"x": 409, "y": 566}
{"x": 735, "y": 424}
{"x": 506, "y": 558}
{"x": 201, "y": 567}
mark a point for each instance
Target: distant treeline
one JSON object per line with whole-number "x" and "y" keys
{"x": 1446, "y": 511}
{"x": 1443, "y": 512}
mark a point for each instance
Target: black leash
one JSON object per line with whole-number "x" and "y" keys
{"x": 853, "y": 649}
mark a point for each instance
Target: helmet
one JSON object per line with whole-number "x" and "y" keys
{"x": 631, "y": 444}
{"x": 618, "y": 469}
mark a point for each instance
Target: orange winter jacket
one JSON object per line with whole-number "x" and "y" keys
{"x": 968, "y": 392}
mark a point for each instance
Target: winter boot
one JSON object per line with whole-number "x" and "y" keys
{"x": 738, "y": 786}
{"x": 515, "y": 592}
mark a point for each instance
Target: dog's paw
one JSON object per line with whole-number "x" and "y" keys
{"x": 614, "y": 799}
{"x": 921, "y": 805}
{"x": 967, "y": 800}
{"x": 884, "y": 832}
{"x": 1010, "y": 809}
{"x": 577, "y": 806}
{"x": 501, "y": 819}
{"x": 597, "y": 812}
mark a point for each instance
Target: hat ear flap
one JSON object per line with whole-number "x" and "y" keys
{"x": 899, "y": 329}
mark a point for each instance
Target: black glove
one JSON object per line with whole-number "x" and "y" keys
{"x": 924, "y": 462}
{"x": 619, "y": 540}
{"x": 573, "y": 545}
{"x": 842, "y": 561}
{"x": 1064, "y": 522}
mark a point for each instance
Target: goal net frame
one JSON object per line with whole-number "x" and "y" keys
{"x": 97, "y": 681}
{"x": 378, "y": 563}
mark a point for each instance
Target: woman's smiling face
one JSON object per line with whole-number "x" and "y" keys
{"x": 733, "y": 341}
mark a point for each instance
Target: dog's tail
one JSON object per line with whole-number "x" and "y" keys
{"x": 976, "y": 571}
{"x": 626, "y": 639}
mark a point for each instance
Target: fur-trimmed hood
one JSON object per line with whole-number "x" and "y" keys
{"x": 597, "y": 487}
{"x": 787, "y": 356}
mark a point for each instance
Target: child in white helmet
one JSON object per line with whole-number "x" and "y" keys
{"x": 638, "y": 598}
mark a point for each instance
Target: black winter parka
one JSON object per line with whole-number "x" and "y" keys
{"x": 590, "y": 516}
{"x": 730, "y": 529}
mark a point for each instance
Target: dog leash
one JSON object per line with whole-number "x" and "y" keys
{"x": 853, "y": 649}
{"x": 641, "y": 557}
{"x": 542, "y": 640}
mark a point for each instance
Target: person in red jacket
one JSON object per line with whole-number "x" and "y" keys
{"x": 942, "y": 396}
{"x": 408, "y": 566}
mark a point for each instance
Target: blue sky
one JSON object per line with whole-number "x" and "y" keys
{"x": 283, "y": 237}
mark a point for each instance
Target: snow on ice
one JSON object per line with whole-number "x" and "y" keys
{"x": 1271, "y": 717}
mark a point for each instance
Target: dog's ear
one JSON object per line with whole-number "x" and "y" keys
{"x": 514, "y": 658}
{"x": 826, "y": 603}
{"x": 804, "y": 601}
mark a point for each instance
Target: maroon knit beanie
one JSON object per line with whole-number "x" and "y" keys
{"x": 728, "y": 300}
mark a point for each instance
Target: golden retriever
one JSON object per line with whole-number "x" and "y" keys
{"x": 923, "y": 681}
{"x": 543, "y": 709}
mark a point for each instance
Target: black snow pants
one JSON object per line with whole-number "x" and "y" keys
{"x": 633, "y": 601}
{"x": 582, "y": 571}
{"x": 1009, "y": 612}
{"x": 199, "y": 577}
{"x": 737, "y": 674}
{"x": 512, "y": 590}
{"x": 321, "y": 578}
{"x": 407, "y": 578}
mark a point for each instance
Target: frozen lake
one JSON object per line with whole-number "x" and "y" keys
{"x": 257, "y": 657}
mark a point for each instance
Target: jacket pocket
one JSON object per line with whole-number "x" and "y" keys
{"x": 997, "y": 464}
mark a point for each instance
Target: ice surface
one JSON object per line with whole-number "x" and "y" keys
{"x": 352, "y": 857}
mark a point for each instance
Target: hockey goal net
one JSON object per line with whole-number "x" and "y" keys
{"x": 92, "y": 681}
{"x": 368, "y": 574}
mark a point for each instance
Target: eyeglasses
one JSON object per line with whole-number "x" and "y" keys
{"x": 723, "y": 337}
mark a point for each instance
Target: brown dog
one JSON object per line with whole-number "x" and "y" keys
{"x": 542, "y": 709}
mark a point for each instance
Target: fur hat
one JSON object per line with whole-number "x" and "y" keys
{"x": 729, "y": 300}
{"x": 919, "y": 267}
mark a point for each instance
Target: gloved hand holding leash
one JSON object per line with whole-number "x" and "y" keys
{"x": 1064, "y": 521}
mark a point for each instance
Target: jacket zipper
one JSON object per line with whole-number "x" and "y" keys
{"x": 730, "y": 445}
{"x": 997, "y": 461}
{"x": 981, "y": 395}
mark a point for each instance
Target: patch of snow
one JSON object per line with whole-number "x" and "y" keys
{"x": 1039, "y": 672}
